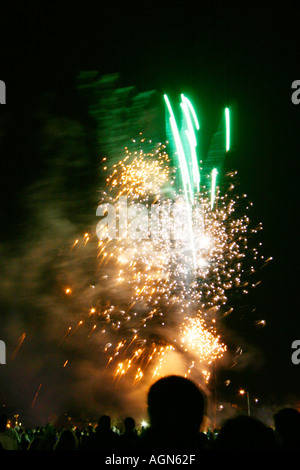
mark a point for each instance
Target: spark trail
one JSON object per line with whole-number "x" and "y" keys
{"x": 159, "y": 296}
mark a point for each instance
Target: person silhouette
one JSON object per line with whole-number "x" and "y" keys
{"x": 67, "y": 441}
{"x": 245, "y": 433}
{"x": 176, "y": 409}
{"x": 129, "y": 439}
{"x": 104, "y": 438}
{"x": 8, "y": 437}
{"x": 287, "y": 428}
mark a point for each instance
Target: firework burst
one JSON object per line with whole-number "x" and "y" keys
{"x": 162, "y": 289}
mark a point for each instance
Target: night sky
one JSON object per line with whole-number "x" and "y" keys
{"x": 237, "y": 56}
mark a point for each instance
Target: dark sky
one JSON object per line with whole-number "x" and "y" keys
{"x": 243, "y": 56}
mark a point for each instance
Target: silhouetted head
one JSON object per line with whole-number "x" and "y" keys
{"x": 245, "y": 433}
{"x": 287, "y": 425}
{"x": 67, "y": 441}
{"x": 175, "y": 402}
{"x": 104, "y": 423}
{"x": 129, "y": 424}
{"x": 287, "y": 421}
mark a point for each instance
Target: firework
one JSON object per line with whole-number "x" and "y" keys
{"x": 156, "y": 299}
{"x": 167, "y": 259}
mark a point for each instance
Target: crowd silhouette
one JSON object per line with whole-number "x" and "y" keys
{"x": 176, "y": 408}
